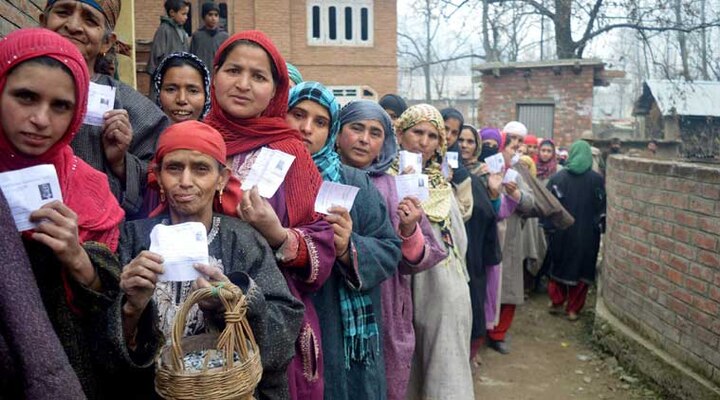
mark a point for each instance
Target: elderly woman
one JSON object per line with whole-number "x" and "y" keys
{"x": 368, "y": 249}
{"x": 191, "y": 176}
{"x": 441, "y": 298}
{"x": 367, "y": 141}
{"x": 44, "y": 86}
{"x": 125, "y": 142}
{"x": 249, "y": 96}
{"x": 182, "y": 82}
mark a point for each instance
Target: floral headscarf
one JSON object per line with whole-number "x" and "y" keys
{"x": 437, "y": 207}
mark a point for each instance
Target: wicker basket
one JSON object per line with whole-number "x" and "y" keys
{"x": 233, "y": 380}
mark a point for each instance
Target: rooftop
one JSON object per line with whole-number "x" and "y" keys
{"x": 675, "y": 97}
{"x": 489, "y": 67}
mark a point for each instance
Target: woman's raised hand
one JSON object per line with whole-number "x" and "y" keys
{"x": 57, "y": 228}
{"x": 138, "y": 280}
{"x": 409, "y": 211}
{"x": 256, "y": 211}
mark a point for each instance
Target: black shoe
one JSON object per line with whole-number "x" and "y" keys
{"x": 500, "y": 346}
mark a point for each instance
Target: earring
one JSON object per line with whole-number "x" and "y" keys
{"x": 162, "y": 196}
{"x": 221, "y": 192}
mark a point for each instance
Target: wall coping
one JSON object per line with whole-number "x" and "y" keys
{"x": 708, "y": 173}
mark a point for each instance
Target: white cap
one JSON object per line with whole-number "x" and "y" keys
{"x": 515, "y": 128}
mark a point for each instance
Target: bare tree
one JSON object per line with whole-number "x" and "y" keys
{"x": 599, "y": 17}
{"x": 423, "y": 49}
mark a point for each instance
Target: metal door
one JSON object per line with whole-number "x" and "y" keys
{"x": 538, "y": 118}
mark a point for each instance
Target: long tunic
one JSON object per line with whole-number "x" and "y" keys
{"x": 573, "y": 251}
{"x": 512, "y": 264}
{"x": 246, "y": 258}
{"x": 33, "y": 364}
{"x": 89, "y": 326}
{"x": 442, "y": 320}
{"x": 397, "y": 307}
{"x": 147, "y": 121}
{"x": 493, "y": 273}
{"x": 305, "y": 372}
{"x": 375, "y": 254}
{"x": 483, "y": 251}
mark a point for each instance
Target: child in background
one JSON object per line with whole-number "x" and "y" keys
{"x": 207, "y": 39}
{"x": 170, "y": 36}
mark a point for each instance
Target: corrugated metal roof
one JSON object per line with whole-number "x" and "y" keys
{"x": 698, "y": 98}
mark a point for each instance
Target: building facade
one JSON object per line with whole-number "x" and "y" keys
{"x": 553, "y": 98}
{"x": 350, "y": 46}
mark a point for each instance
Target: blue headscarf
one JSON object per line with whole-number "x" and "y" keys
{"x": 191, "y": 60}
{"x": 365, "y": 109}
{"x": 327, "y": 160}
{"x": 294, "y": 74}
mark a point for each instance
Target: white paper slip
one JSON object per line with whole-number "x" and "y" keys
{"x": 335, "y": 194}
{"x": 180, "y": 246}
{"x": 268, "y": 171}
{"x": 510, "y": 176}
{"x": 515, "y": 159}
{"x": 415, "y": 185}
{"x": 101, "y": 99}
{"x": 410, "y": 159}
{"x": 495, "y": 163}
{"x": 452, "y": 159}
{"x": 28, "y": 189}
{"x": 445, "y": 169}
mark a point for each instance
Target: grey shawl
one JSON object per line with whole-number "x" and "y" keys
{"x": 512, "y": 248}
{"x": 246, "y": 258}
{"x": 147, "y": 121}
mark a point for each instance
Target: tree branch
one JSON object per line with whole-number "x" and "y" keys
{"x": 446, "y": 60}
{"x": 541, "y": 9}
{"x": 642, "y": 28}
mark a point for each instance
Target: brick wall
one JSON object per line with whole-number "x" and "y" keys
{"x": 19, "y": 14}
{"x": 285, "y": 21}
{"x": 662, "y": 263}
{"x": 571, "y": 93}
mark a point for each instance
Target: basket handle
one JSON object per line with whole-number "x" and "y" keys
{"x": 237, "y": 330}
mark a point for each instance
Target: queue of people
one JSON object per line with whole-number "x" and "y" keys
{"x": 391, "y": 298}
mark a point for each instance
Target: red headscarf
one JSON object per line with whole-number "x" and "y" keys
{"x": 84, "y": 189}
{"x": 195, "y": 135}
{"x": 532, "y": 140}
{"x": 270, "y": 129}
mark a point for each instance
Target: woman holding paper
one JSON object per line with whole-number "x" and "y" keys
{"x": 44, "y": 88}
{"x": 367, "y": 141}
{"x": 484, "y": 255}
{"x": 349, "y": 303}
{"x": 441, "y": 298}
{"x": 124, "y": 142}
{"x": 512, "y": 293}
{"x": 195, "y": 186}
{"x": 249, "y": 104}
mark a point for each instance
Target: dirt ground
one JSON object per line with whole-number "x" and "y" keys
{"x": 554, "y": 359}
